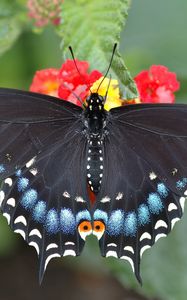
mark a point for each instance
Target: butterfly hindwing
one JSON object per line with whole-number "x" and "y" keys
{"x": 144, "y": 185}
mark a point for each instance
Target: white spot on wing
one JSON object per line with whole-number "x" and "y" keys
{"x": 69, "y": 243}
{"x": 51, "y": 246}
{"x": 11, "y": 202}
{"x": 111, "y": 244}
{"x": 66, "y": 194}
{"x": 49, "y": 258}
{"x": 7, "y": 216}
{"x": 8, "y": 181}
{"x": 33, "y": 171}
{"x": 143, "y": 249}
{"x": 160, "y": 223}
{"x": 2, "y": 196}
{"x": 173, "y": 221}
{"x": 185, "y": 193}
{"x": 119, "y": 196}
{"x": 174, "y": 171}
{"x": 152, "y": 176}
{"x": 111, "y": 253}
{"x": 172, "y": 206}
{"x": 30, "y": 162}
{"x": 35, "y": 245}
{"x": 105, "y": 199}
{"x": 35, "y": 232}
{"x": 79, "y": 199}
{"x": 182, "y": 202}
{"x": 129, "y": 248}
{"x": 20, "y": 232}
{"x": 129, "y": 260}
{"x": 69, "y": 252}
{"x": 20, "y": 219}
{"x": 145, "y": 235}
{"x": 160, "y": 235}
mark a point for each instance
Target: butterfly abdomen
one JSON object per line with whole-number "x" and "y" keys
{"x": 95, "y": 163}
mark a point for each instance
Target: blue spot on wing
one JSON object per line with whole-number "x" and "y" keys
{"x": 155, "y": 203}
{"x": 130, "y": 224}
{"x": 67, "y": 221}
{"x": 143, "y": 214}
{"x": 52, "y": 221}
{"x": 29, "y": 199}
{"x": 83, "y": 215}
{"x": 22, "y": 183}
{"x": 2, "y": 168}
{"x": 162, "y": 190}
{"x": 115, "y": 222}
{"x": 39, "y": 212}
{"x": 180, "y": 184}
{"x": 18, "y": 173}
{"x": 100, "y": 215}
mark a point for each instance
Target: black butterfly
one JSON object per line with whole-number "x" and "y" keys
{"x": 134, "y": 158}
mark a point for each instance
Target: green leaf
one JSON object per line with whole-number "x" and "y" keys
{"x": 92, "y": 28}
{"x": 7, "y": 237}
{"x": 10, "y": 27}
{"x": 9, "y": 32}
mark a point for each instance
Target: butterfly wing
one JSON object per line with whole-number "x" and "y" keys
{"x": 144, "y": 181}
{"x": 43, "y": 192}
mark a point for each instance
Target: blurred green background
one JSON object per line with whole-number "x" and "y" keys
{"x": 156, "y": 33}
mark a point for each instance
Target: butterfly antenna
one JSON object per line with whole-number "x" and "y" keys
{"x": 114, "y": 49}
{"x": 108, "y": 87}
{"x": 72, "y": 54}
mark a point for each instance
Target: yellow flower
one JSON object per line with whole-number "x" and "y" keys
{"x": 113, "y": 96}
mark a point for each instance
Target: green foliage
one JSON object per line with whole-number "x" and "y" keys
{"x": 8, "y": 239}
{"x": 10, "y": 27}
{"x": 92, "y": 28}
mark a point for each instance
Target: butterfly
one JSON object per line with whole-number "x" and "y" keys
{"x": 134, "y": 158}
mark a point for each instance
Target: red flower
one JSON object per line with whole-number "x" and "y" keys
{"x": 74, "y": 83}
{"x": 46, "y": 82}
{"x": 66, "y": 83}
{"x": 157, "y": 85}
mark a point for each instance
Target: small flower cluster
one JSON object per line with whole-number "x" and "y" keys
{"x": 44, "y": 11}
{"x": 66, "y": 83}
{"x": 157, "y": 85}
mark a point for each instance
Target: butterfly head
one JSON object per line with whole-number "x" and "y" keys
{"x": 95, "y": 102}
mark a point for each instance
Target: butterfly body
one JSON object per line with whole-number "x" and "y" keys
{"x": 95, "y": 120}
{"x": 134, "y": 158}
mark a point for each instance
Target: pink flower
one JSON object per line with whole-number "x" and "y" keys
{"x": 157, "y": 85}
{"x": 44, "y": 11}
